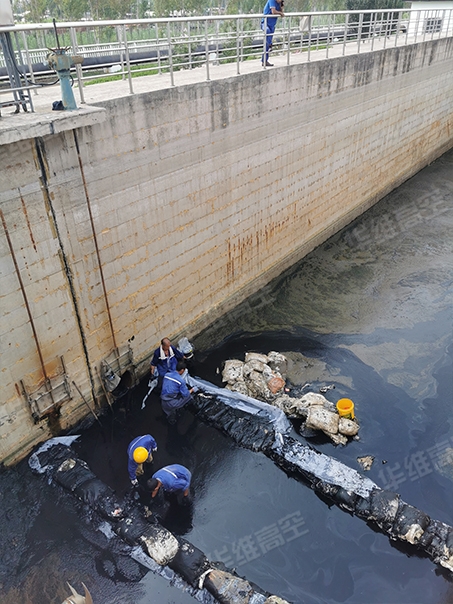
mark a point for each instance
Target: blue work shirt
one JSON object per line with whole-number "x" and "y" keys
{"x": 146, "y": 441}
{"x": 271, "y": 21}
{"x": 174, "y": 478}
{"x": 174, "y": 387}
{"x": 166, "y": 364}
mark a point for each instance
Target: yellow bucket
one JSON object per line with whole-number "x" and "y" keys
{"x": 345, "y": 408}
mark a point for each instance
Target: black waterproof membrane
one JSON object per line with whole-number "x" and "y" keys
{"x": 344, "y": 486}
{"x": 208, "y": 582}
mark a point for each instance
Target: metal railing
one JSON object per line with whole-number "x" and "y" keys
{"x": 130, "y": 48}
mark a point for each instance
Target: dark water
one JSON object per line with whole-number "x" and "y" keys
{"x": 370, "y": 312}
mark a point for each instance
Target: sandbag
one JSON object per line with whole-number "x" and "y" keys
{"x": 278, "y": 362}
{"x": 232, "y": 371}
{"x": 133, "y": 527}
{"x": 348, "y": 427}
{"x": 256, "y": 356}
{"x": 100, "y": 497}
{"x": 410, "y": 523}
{"x": 189, "y": 562}
{"x": 160, "y": 544}
{"x": 227, "y": 588}
{"x": 384, "y": 508}
{"x": 275, "y": 384}
{"x": 72, "y": 473}
{"x": 320, "y": 419}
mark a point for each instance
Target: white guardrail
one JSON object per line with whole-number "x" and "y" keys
{"x": 133, "y": 47}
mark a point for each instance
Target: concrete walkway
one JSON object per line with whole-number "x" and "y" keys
{"x": 96, "y": 93}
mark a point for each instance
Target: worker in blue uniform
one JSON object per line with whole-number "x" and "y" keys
{"x": 164, "y": 360}
{"x": 275, "y": 9}
{"x": 174, "y": 481}
{"x": 139, "y": 451}
{"x": 175, "y": 393}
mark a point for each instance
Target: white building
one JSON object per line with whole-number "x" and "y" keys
{"x": 431, "y": 17}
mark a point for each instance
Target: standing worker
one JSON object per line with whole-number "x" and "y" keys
{"x": 139, "y": 451}
{"x": 164, "y": 360}
{"x": 274, "y": 8}
{"x": 175, "y": 393}
{"x": 174, "y": 480}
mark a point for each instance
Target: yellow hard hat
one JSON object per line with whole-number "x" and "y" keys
{"x": 140, "y": 455}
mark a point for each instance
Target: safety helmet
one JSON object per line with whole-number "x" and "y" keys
{"x": 140, "y": 455}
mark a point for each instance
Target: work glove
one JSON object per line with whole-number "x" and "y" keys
{"x": 139, "y": 471}
{"x": 134, "y": 482}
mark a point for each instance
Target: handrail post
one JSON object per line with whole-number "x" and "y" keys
{"x": 128, "y": 62}
{"x": 206, "y": 48}
{"x": 78, "y": 67}
{"x": 289, "y": 42}
{"x": 238, "y": 71}
{"x": 263, "y": 60}
{"x": 345, "y": 36}
{"x": 29, "y": 63}
{"x": 170, "y": 54}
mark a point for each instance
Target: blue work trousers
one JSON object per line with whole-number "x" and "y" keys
{"x": 270, "y": 28}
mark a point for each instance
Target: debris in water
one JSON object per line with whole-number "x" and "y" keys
{"x": 77, "y": 598}
{"x": 366, "y": 461}
{"x": 325, "y": 389}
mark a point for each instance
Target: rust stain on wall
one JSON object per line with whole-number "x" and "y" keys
{"x": 24, "y": 209}
{"x": 246, "y": 248}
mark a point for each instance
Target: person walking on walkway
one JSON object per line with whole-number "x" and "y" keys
{"x": 174, "y": 481}
{"x": 275, "y": 9}
{"x": 175, "y": 393}
{"x": 139, "y": 451}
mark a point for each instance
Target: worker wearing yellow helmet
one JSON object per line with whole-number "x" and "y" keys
{"x": 139, "y": 451}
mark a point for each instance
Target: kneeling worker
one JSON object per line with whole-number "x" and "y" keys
{"x": 175, "y": 393}
{"x": 139, "y": 451}
{"x": 174, "y": 480}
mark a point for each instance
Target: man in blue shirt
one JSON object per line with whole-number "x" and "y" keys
{"x": 165, "y": 358}
{"x": 174, "y": 480}
{"x": 175, "y": 393}
{"x": 139, "y": 451}
{"x": 273, "y": 7}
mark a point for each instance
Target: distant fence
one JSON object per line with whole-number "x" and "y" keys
{"x": 130, "y": 48}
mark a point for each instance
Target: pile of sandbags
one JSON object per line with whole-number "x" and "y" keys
{"x": 263, "y": 377}
{"x": 260, "y": 376}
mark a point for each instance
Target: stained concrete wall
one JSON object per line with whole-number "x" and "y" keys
{"x": 183, "y": 201}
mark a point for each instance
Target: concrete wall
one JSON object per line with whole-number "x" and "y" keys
{"x": 184, "y": 201}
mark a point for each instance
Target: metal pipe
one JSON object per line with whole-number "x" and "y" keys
{"x": 27, "y": 306}
{"x": 86, "y": 402}
{"x": 96, "y": 245}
